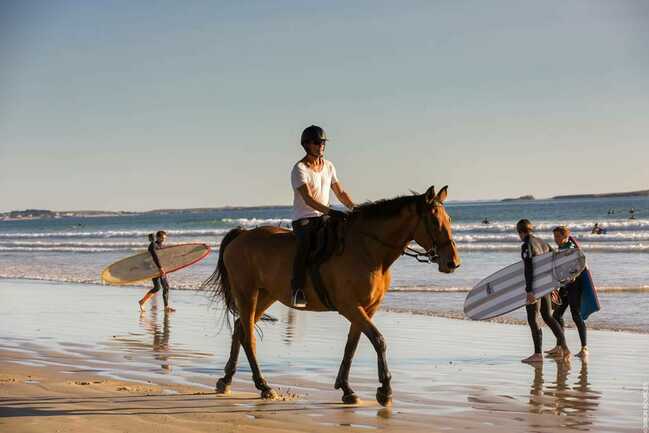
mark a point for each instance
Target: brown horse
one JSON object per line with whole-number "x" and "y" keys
{"x": 255, "y": 268}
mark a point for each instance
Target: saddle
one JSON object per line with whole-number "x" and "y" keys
{"x": 328, "y": 239}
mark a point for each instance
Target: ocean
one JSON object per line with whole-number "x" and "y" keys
{"x": 73, "y": 249}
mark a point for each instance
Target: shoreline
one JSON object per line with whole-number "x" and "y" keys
{"x": 399, "y": 292}
{"x": 394, "y": 290}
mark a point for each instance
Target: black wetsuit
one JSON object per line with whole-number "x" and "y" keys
{"x": 533, "y": 246}
{"x": 571, "y": 296}
{"x": 159, "y": 282}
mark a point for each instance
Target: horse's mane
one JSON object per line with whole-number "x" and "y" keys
{"x": 384, "y": 208}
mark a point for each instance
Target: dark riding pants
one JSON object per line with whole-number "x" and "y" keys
{"x": 304, "y": 230}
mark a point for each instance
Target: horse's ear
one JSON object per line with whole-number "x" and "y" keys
{"x": 430, "y": 195}
{"x": 442, "y": 194}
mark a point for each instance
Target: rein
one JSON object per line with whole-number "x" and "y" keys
{"x": 429, "y": 256}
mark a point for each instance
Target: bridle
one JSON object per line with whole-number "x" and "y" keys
{"x": 428, "y": 256}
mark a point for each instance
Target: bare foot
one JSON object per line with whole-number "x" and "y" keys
{"x": 141, "y": 304}
{"x": 537, "y": 357}
{"x": 170, "y": 310}
{"x": 583, "y": 353}
{"x": 555, "y": 349}
{"x": 562, "y": 353}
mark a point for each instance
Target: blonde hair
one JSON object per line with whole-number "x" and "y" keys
{"x": 562, "y": 230}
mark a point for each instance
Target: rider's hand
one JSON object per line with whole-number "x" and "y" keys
{"x": 530, "y": 298}
{"x": 163, "y": 273}
{"x": 333, "y": 213}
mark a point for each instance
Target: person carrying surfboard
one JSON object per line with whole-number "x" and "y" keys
{"x": 161, "y": 281}
{"x": 570, "y": 295}
{"x": 533, "y": 246}
{"x": 312, "y": 179}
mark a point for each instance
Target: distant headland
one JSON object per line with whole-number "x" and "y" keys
{"x": 34, "y": 214}
{"x": 523, "y": 197}
{"x": 642, "y": 193}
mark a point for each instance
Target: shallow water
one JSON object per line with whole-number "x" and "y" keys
{"x": 439, "y": 366}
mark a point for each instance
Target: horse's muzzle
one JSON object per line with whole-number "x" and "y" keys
{"x": 449, "y": 268}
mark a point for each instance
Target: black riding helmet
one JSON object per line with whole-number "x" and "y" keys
{"x": 311, "y": 134}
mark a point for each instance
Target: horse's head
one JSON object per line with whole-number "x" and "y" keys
{"x": 434, "y": 231}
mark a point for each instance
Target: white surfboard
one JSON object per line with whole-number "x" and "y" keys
{"x": 142, "y": 267}
{"x": 504, "y": 291}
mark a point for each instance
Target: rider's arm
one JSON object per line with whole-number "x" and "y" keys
{"x": 342, "y": 195}
{"x": 306, "y": 194}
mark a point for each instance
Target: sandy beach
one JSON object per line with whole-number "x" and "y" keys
{"x": 78, "y": 358}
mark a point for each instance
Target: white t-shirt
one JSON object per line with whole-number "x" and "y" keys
{"x": 319, "y": 182}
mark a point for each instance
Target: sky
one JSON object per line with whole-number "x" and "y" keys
{"x": 121, "y": 105}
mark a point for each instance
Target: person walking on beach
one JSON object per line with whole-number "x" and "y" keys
{"x": 161, "y": 281}
{"x": 312, "y": 179}
{"x": 570, "y": 295}
{"x": 533, "y": 246}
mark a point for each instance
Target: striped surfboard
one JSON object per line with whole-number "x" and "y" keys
{"x": 504, "y": 291}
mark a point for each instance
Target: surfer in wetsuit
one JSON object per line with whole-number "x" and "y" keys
{"x": 312, "y": 178}
{"x": 570, "y": 295}
{"x": 161, "y": 281}
{"x": 533, "y": 246}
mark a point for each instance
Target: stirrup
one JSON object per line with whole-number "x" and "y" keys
{"x": 299, "y": 300}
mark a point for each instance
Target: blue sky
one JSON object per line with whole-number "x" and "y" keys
{"x": 141, "y": 105}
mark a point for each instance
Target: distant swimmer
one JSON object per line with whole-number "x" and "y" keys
{"x": 611, "y": 211}
{"x": 161, "y": 281}
{"x": 485, "y": 221}
{"x": 632, "y": 214}
{"x": 597, "y": 230}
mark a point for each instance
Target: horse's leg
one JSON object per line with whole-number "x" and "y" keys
{"x": 359, "y": 317}
{"x": 247, "y": 312}
{"x": 223, "y": 384}
{"x": 342, "y": 380}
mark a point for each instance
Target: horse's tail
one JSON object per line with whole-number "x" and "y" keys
{"x": 218, "y": 284}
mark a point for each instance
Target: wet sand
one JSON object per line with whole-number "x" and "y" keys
{"x": 81, "y": 358}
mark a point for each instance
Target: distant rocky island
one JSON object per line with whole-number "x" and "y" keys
{"x": 32, "y": 214}
{"x": 642, "y": 193}
{"x": 523, "y": 197}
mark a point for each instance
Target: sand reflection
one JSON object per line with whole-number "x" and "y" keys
{"x": 289, "y": 331}
{"x": 161, "y": 334}
{"x": 577, "y": 401}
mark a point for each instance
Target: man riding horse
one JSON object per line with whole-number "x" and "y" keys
{"x": 255, "y": 267}
{"x": 312, "y": 179}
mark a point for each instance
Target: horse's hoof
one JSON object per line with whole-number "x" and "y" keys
{"x": 351, "y": 399}
{"x": 384, "y": 398}
{"x": 223, "y": 388}
{"x": 269, "y": 394}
